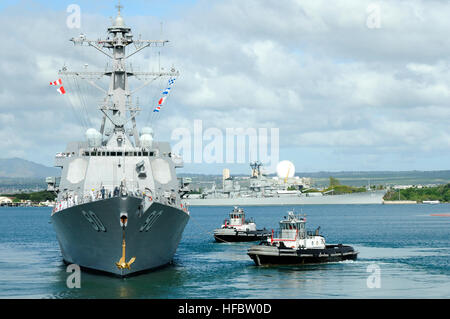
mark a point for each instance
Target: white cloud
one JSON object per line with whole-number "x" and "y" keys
{"x": 312, "y": 68}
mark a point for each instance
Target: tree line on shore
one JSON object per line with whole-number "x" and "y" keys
{"x": 440, "y": 193}
{"x": 35, "y": 197}
{"x": 337, "y": 188}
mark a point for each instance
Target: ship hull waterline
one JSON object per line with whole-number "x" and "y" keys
{"x": 271, "y": 255}
{"x": 230, "y": 235}
{"x": 366, "y": 198}
{"x": 90, "y": 235}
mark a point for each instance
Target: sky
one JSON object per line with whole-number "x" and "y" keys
{"x": 350, "y": 85}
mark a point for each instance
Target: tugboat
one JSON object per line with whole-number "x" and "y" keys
{"x": 237, "y": 229}
{"x": 293, "y": 244}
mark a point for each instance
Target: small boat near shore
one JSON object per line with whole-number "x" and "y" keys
{"x": 293, "y": 244}
{"x": 238, "y": 229}
{"x": 431, "y": 202}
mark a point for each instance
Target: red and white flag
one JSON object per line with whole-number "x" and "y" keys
{"x": 61, "y": 90}
{"x": 58, "y": 82}
{"x": 161, "y": 100}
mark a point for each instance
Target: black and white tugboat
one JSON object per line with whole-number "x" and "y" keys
{"x": 237, "y": 229}
{"x": 293, "y": 244}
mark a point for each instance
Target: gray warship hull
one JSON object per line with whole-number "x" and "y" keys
{"x": 90, "y": 235}
{"x": 375, "y": 197}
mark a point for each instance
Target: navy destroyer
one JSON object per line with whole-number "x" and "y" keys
{"x": 118, "y": 206}
{"x": 293, "y": 244}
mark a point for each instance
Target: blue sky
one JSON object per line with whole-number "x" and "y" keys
{"x": 108, "y": 7}
{"x": 344, "y": 96}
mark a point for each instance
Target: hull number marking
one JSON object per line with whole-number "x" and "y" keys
{"x": 94, "y": 221}
{"x": 151, "y": 219}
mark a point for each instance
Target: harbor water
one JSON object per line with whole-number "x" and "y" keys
{"x": 403, "y": 245}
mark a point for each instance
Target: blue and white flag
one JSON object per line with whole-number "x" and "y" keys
{"x": 165, "y": 93}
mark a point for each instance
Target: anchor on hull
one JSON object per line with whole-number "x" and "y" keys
{"x": 122, "y": 264}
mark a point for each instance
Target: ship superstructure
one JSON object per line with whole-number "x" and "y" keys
{"x": 293, "y": 234}
{"x": 118, "y": 207}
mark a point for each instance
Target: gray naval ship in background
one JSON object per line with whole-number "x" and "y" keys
{"x": 118, "y": 206}
{"x": 283, "y": 189}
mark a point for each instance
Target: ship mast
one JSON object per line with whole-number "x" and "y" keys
{"x": 117, "y": 106}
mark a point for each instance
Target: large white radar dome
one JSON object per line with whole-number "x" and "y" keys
{"x": 146, "y": 140}
{"x": 285, "y": 169}
{"x": 93, "y": 137}
{"x": 119, "y": 21}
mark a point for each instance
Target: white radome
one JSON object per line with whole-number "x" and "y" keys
{"x": 285, "y": 169}
{"x": 146, "y": 140}
{"x": 93, "y": 137}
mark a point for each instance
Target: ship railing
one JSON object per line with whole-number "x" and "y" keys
{"x": 73, "y": 199}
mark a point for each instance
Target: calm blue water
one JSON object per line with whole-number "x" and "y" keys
{"x": 411, "y": 248}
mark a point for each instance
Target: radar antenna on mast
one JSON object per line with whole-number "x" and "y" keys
{"x": 118, "y": 7}
{"x": 117, "y": 105}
